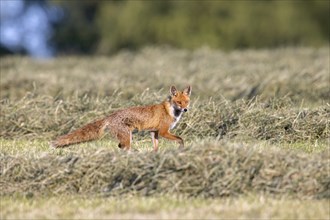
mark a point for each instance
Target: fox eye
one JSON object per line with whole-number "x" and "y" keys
{"x": 179, "y": 102}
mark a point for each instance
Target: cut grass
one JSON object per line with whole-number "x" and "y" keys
{"x": 281, "y": 96}
{"x": 164, "y": 207}
{"x": 38, "y": 148}
{"x": 302, "y": 74}
{"x": 40, "y": 117}
{"x": 204, "y": 169}
{"x": 272, "y": 104}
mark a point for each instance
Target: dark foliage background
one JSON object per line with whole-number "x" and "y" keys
{"x": 107, "y": 26}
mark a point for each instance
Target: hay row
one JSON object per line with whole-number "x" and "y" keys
{"x": 276, "y": 120}
{"x": 301, "y": 73}
{"x": 211, "y": 170}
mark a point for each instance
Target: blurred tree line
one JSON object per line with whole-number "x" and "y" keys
{"x": 107, "y": 26}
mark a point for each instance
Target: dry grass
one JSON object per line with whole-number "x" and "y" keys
{"x": 301, "y": 74}
{"x": 277, "y": 95}
{"x": 249, "y": 110}
{"x": 42, "y": 117}
{"x": 204, "y": 170}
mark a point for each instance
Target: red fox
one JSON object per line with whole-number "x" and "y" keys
{"x": 158, "y": 119}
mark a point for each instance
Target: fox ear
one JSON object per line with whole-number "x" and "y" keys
{"x": 173, "y": 91}
{"x": 187, "y": 90}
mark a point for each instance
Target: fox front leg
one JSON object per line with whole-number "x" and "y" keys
{"x": 168, "y": 135}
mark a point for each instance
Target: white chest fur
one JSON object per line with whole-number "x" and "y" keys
{"x": 176, "y": 120}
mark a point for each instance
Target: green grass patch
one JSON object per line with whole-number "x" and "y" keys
{"x": 164, "y": 207}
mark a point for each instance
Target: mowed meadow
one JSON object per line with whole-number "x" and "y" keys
{"x": 257, "y": 136}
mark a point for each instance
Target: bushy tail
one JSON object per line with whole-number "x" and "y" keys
{"x": 89, "y": 132}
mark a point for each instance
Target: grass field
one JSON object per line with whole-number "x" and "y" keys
{"x": 165, "y": 207}
{"x": 257, "y": 136}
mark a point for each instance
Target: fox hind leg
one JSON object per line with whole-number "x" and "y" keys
{"x": 154, "y": 136}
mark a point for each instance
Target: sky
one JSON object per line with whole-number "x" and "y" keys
{"x": 27, "y": 26}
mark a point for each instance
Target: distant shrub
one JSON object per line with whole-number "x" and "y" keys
{"x": 108, "y": 26}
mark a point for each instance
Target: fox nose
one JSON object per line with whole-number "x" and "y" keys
{"x": 185, "y": 110}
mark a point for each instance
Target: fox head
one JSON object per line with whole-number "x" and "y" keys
{"x": 180, "y": 99}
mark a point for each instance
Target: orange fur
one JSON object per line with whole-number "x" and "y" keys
{"x": 158, "y": 119}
